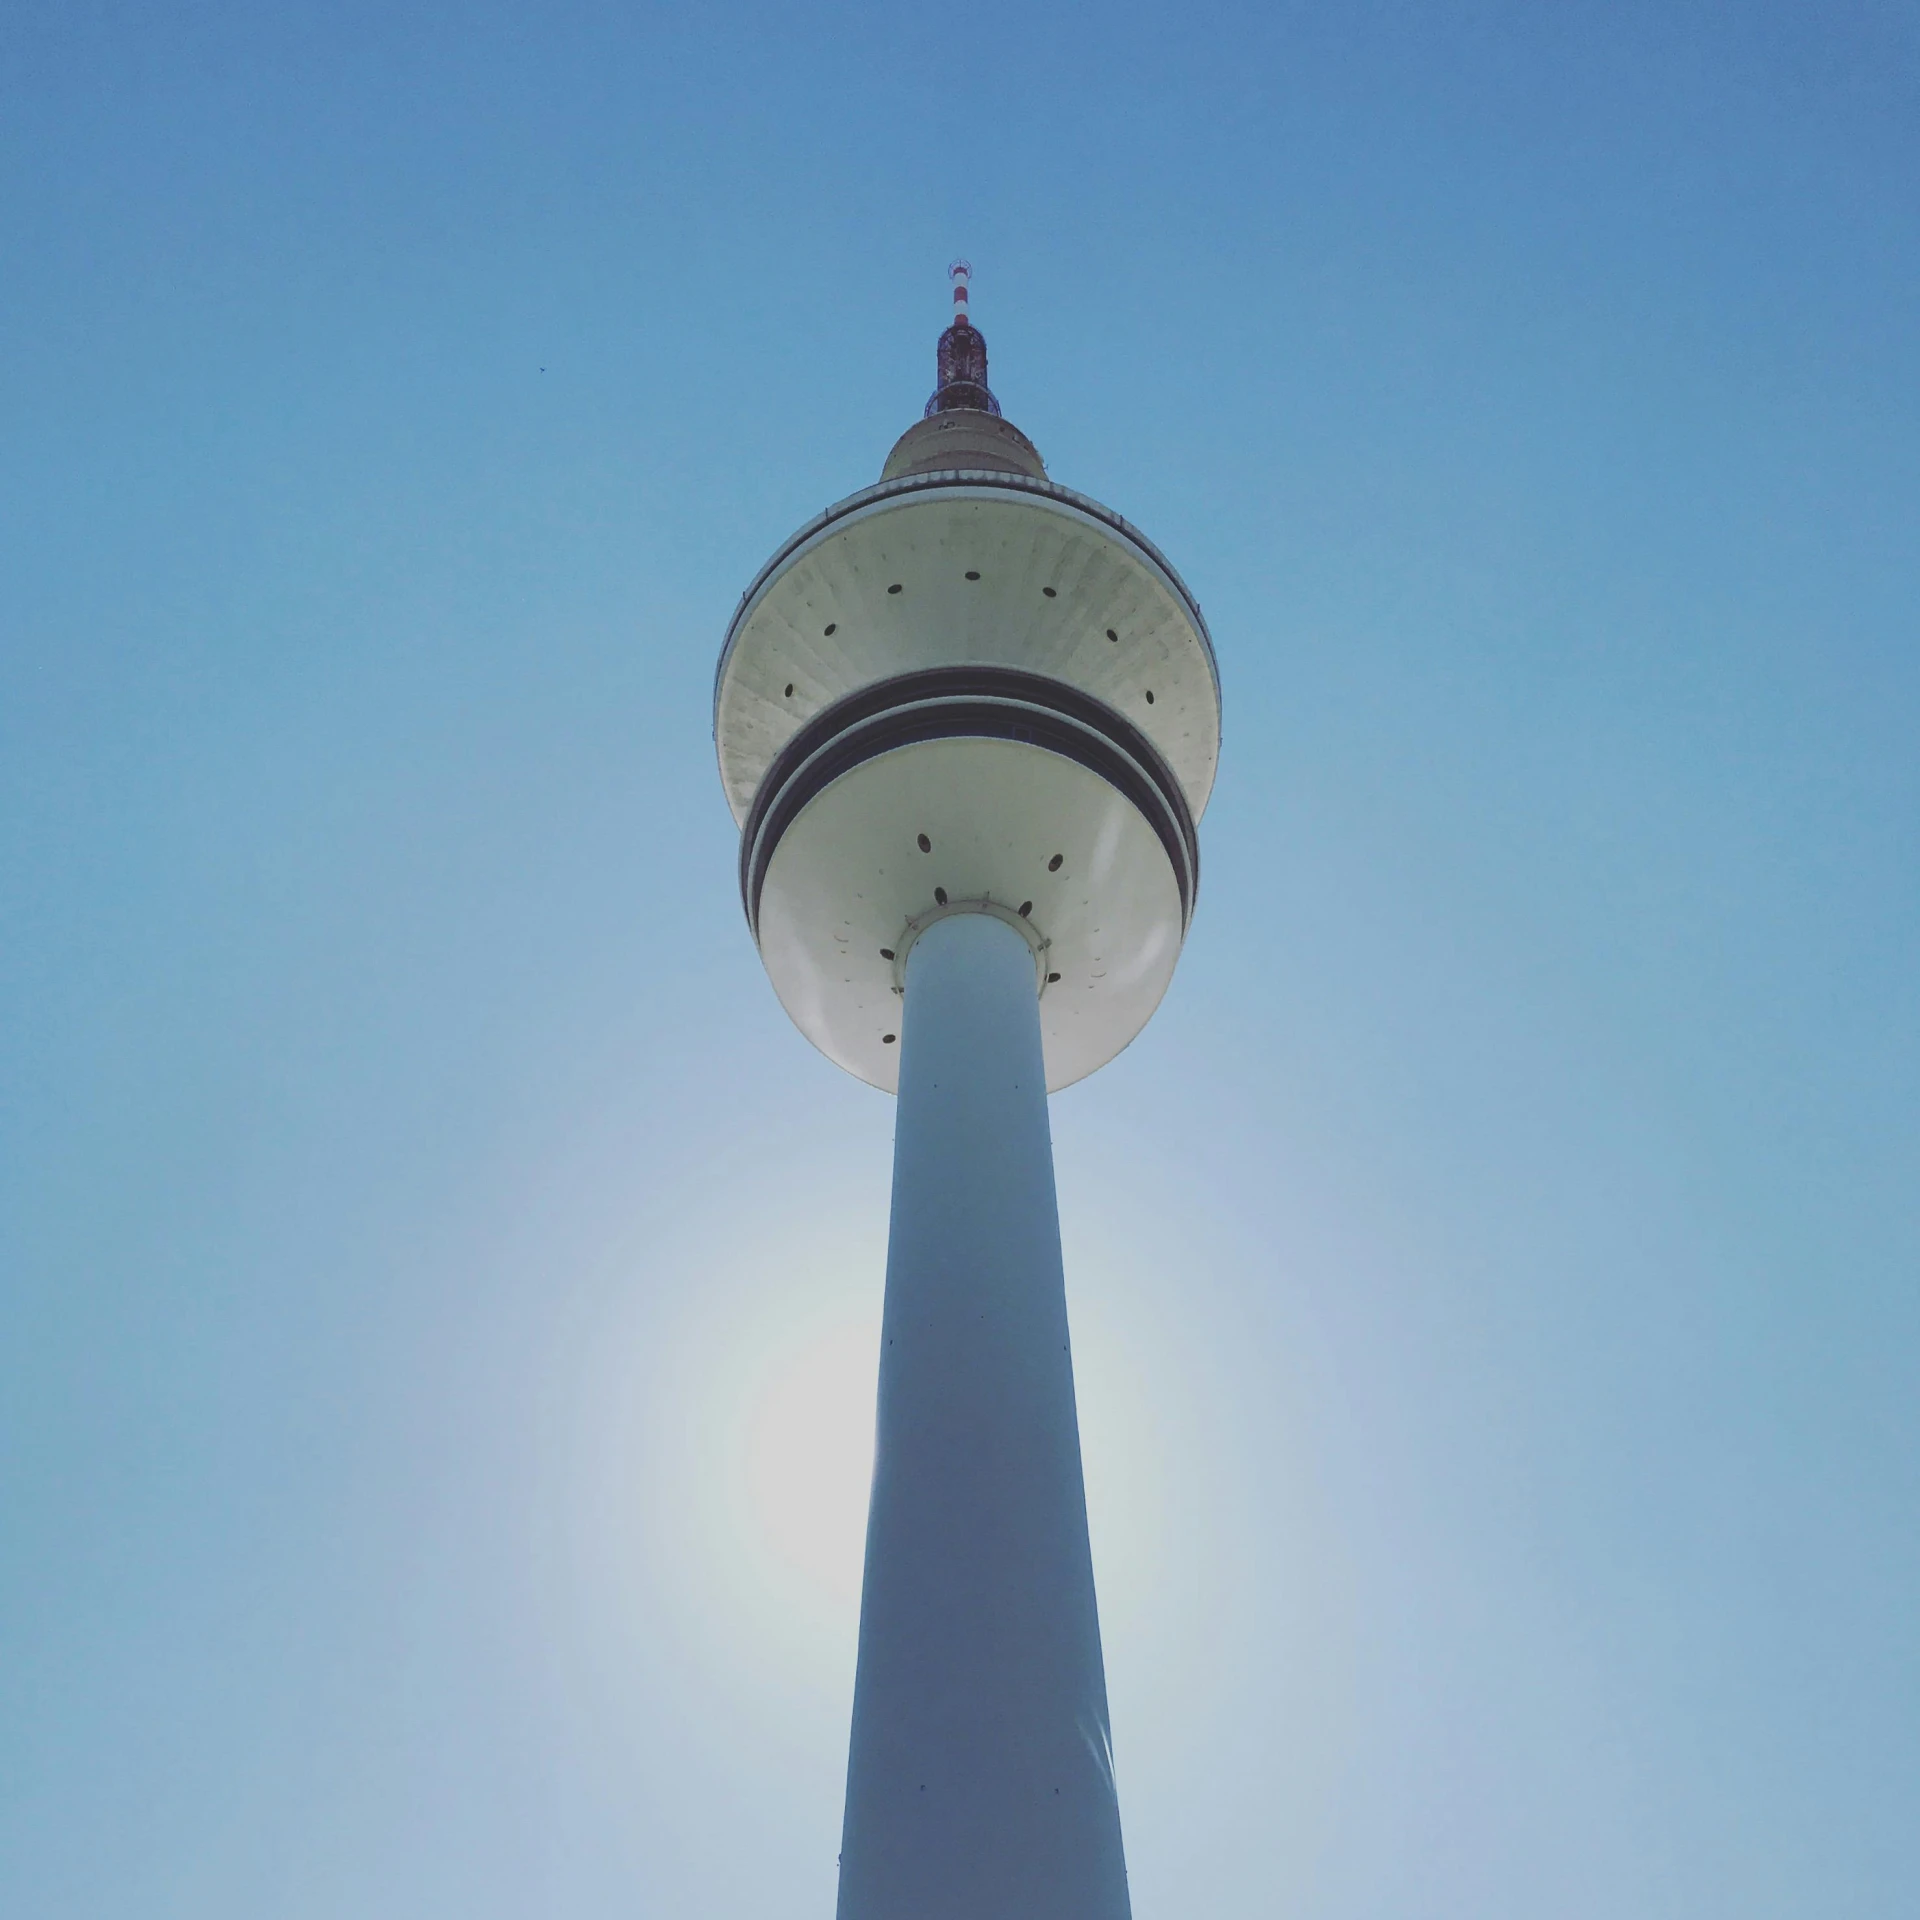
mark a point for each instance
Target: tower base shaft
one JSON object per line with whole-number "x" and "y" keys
{"x": 980, "y": 1779}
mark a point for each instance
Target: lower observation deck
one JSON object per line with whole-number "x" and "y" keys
{"x": 979, "y": 789}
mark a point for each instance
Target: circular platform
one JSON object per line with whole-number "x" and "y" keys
{"x": 1018, "y": 828}
{"x": 968, "y": 692}
{"x": 966, "y": 569}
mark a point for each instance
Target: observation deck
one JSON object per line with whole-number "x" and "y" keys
{"x": 968, "y": 688}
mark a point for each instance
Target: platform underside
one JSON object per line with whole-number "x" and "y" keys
{"x": 849, "y": 880}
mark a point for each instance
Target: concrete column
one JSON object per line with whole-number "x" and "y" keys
{"x": 980, "y": 1779}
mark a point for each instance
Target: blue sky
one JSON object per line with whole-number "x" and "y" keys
{"x": 439, "y": 1288}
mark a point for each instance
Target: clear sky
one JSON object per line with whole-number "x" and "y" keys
{"x": 438, "y": 1288}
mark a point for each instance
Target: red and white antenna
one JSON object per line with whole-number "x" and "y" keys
{"x": 960, "y": 273}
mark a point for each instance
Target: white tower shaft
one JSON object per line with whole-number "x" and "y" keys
{"x": 980, "y": 1780}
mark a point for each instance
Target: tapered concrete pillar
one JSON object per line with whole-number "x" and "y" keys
{"x": 980, "y": 1781}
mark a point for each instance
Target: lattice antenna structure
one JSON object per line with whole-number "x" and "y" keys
{"x": 961, "y": 358}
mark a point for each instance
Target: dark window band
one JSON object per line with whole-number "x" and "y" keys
{"x": 974, "y": 702}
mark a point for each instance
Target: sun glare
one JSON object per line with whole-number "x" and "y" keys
{"x": 806, "y": 1458}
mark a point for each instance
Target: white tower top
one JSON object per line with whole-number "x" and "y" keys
{"x": 968, "y": 686}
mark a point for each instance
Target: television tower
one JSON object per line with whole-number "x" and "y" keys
{"x": 966, "y": 720}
